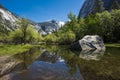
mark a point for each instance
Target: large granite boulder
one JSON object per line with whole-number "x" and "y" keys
{"x": 89, "y": 42}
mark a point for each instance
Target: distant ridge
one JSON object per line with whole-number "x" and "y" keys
{"x": 8, "y": 22}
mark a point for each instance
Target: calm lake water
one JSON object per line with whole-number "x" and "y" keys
{"x": 60, "y": 63}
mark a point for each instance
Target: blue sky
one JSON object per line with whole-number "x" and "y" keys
{"x": 42, "y": 10}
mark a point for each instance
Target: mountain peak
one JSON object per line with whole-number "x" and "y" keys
{"x": 7, "y": 15}
{"x": 2, "y": 7}
{"x": 8, "y": 19}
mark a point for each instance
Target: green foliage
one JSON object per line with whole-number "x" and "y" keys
{"x": 24, "y": 25}
{"x": 105, "y": 24}
{"x": 16, "y": 36}
{"x": 99, "y": 7}
{"x": 2, "y": 29}
{"x": 13, "y": 49}
{"x": 67, "y": 37}
{"x": 113, "y": 45}
{"x": 4, "y": 33}
{"x": 72, "y": 23}
{"x": 72, "y": 17}
{"x": 51, "y": 38}
{"x": 115, "y": 14}
{"x": 115, "y": 5}
{"x": 31, "y": 35}
{"x": 61, "y": 37}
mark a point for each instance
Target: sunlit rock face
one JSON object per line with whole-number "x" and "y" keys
{"x": 7, "y": 15}
{"x": 92, "y": 47}
{"x": 50, "y": 26}
{"x": 89, "y": 42}
{"x": 88, "y": 7}
{"x": 92, "y": 42}
{"x": 8, "y": 19}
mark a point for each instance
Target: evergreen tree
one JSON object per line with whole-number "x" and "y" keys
{"x": 72, "y": 17}
{"x": 99, "y": 7}
{"x": 115, "y": 5}
{"x": 24, "y": 25}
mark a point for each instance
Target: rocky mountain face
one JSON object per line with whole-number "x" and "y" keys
{"x": 50, "y": 26}
{"x": 8, "y": 22}
{"x": 89, "y": 6}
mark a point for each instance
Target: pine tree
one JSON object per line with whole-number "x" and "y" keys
{"x": 99, "y": 7}
{"x": 24, "y": 25}
{"x": 115, "y": 5}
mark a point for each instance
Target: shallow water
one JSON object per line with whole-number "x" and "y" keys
{"x": 60, "y": 63}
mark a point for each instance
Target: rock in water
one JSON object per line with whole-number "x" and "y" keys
{"x": 89, "y": 42}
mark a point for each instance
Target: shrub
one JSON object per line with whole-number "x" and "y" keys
{"x": 67, "y": 37}
{"x": 51, "y": 38}
{"x": 31, "y": 35}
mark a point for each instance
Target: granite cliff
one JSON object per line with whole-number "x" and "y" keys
{"x": 90, "y": 5}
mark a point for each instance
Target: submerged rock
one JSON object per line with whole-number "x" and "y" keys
{"x": 89, "y": 42}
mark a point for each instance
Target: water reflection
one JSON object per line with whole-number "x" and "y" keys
{"x": 9, "y": 65}
{"x": 47, "y": 71}
{"x": 92, "y": 54}
{"x": 49, "y": 57}
{"x": 51, "y": 66}
{"x": 60, "y": 63}
{"x": 47, "y": 65}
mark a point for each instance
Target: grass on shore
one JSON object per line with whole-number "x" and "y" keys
{"x": 115, "y": 45}
{"x": 14, "y": 49}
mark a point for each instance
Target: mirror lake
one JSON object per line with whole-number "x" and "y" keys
{"x": 53, "y": 62}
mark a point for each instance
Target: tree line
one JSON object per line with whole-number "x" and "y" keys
{"x": 25, "y": 33}
{"x": 105, "y": 24}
